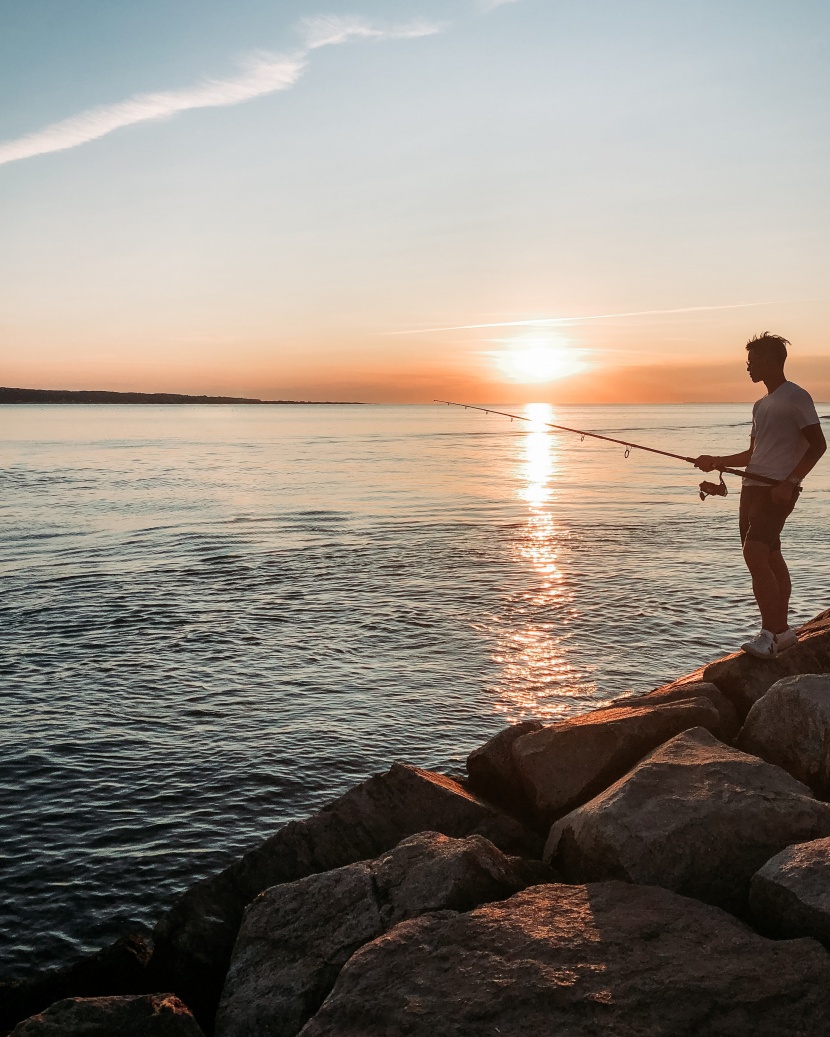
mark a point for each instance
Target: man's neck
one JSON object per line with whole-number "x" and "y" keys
{"x": 774, "y": 381}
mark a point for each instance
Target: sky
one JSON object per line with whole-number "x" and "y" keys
{"x": 560, "y": 200}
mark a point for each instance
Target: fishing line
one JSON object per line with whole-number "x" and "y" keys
{"x": 707, "y": 489}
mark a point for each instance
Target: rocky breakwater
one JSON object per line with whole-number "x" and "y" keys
{"x": 659, "y": 866}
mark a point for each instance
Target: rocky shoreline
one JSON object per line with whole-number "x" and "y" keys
{"x": 659, "y": 866}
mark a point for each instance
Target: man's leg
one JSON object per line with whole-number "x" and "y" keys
{"x": 782, "y": 578}
{"x": 772, "y": 599}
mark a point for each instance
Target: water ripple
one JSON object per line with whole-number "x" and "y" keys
{"x": 211, "y": 625}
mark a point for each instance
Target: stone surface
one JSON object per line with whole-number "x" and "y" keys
{"x": 604, "y": 960}
{"x": 790, "y": 895}
{"x": 744, "y": 679}
{"x": 150, "y": 1015}
{"x": 695, "y": 816}
{"x": 193, "y": 941}
{"x": 118, "y": 969}
{"x": 295, "y": 938}
{"x": 565, "y": 764}
{"x": 512, "y": 837}
{"x": 680, "y": 692}
{"x": 493, "y": 773}
{"x": 790, "y": 726}
{"x": 430, "y": 872}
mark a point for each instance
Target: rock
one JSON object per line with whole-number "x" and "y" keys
{"x": 493, "y": 773}
{"x": 790, "y": 895}
{"x": 680, "y": 692}
{"x": 744, "y": 679}
{"x": 511, "y": 837}
{"x": 695, "y": 816}
{"x": 565, "y": 764}
{"x": 790, "y": 726}
{"x": 193, "y": 941}
{"x": 430, "y": 872}
{"x": 150, "y": 1015}
{"x": 293, "y": 941}
{"x": 118, "y": 969}
{"x": 295, "y": 938}
{"x": 581, "y": 961}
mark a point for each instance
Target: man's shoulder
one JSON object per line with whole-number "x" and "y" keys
{"x": 796, "y": 403}
{"x": 787, "y": 395}
{"x": 796, "y": 394}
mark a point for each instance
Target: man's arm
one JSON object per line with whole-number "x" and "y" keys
{"x": 816, "y": 445}
{"x": 706, "y": 462}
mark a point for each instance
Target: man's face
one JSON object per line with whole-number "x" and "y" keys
{"x": 757, "y": 365}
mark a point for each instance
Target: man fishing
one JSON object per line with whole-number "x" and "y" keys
{"x": 785, "y": 445}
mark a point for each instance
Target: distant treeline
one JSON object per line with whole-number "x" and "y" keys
{"x": 91, "y": 396}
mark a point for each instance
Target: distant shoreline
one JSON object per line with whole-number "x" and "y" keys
{"x": 64, "y": 396}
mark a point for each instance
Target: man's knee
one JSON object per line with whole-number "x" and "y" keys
{"x": 756, "y": 553}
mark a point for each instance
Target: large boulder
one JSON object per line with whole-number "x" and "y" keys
{"x": 565, "y": 764}
{"x": 744, "y": 679}
{"x": 193, "y": 941}
{"x": 588, "y": 960}
{"x": 681, "y": 691}
{"x": 695, "y": 816}
{"x": 151, "y": 1015}
{"x": 120, "y": 968}
{"x": 790, "y": 726}
{"x": 493, "y": 773}
{"x": 790, "y": 895}
{"x": 296, "y": 937}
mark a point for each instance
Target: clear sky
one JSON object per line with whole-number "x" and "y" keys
{"x": 262, "y": 197}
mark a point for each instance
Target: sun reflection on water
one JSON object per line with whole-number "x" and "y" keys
{"x": 536, "y": 680}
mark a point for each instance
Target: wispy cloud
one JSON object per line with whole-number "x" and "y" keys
{"x": 326, "y": 30}
{"x": 539, "y": 322}
{"x": 491, "y": 5}
{"x": 261, "y": 75}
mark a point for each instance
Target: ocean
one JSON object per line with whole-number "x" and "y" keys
{"x": 215, "y": 619}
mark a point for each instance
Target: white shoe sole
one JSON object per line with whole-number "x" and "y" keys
{"x": 753, "y": 651}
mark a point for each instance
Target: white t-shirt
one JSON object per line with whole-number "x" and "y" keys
{"x": 777, "y": 421}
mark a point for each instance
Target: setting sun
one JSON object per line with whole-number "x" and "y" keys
{"x": 538, "y": 359}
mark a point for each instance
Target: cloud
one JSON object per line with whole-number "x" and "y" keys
{"x": 491, "y": 5}
{"x": 326, "y": 30}
{"x": 540, "y": 322}
{"x": 264, "y": 76}
{"x": 261, "y": 75}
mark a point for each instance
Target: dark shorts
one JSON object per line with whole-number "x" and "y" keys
{"x": 760, "y": 519}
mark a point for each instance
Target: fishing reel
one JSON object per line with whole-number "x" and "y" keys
{"x": 713, "y": 489}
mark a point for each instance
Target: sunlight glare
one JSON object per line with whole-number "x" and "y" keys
{"x": 536, "y": 679}
{"x": 539, "y": 358}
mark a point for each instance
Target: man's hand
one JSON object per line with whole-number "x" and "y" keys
{"x": 705, "y": 462}
{"x": 782, "y": 493}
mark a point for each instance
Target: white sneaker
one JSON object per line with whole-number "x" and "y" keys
{"x": 786, "y": 639}
{"x": 763, "y": 646}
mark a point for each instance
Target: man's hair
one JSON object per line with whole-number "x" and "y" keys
{"x": 772, "y": 346}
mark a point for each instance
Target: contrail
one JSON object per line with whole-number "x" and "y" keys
{"x": 568, "y": 320}
{"x": 263, "y": 74}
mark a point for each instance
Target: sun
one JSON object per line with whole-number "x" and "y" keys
{"x": 539, "y": 358}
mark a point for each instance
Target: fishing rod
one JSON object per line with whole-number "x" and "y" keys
{"x": 707, "y": 489}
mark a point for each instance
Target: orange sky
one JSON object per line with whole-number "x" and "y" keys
{"x": 260, "y": 202}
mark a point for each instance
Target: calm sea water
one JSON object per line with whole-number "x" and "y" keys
{"x": 214, "y": 619}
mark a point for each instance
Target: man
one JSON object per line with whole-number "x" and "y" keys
{"x": 785, "y": 445}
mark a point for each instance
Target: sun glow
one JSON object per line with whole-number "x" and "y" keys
{"x": 539, "y": 358}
